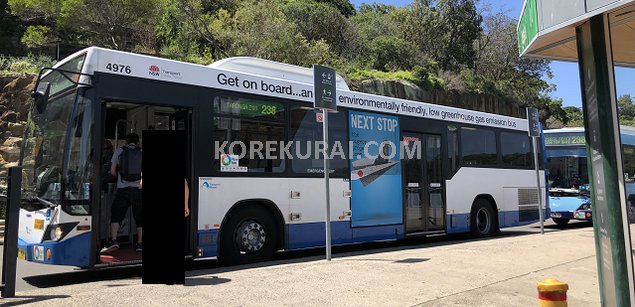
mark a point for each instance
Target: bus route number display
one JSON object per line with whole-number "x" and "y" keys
{"x": 250, "y": 108}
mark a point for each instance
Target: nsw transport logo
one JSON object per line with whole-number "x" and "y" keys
{"x": 154, "y": 70}
{"x": 226, "y": 160}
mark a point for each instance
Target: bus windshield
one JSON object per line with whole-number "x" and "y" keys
{"x": 567, "y": 172}
{"x": 46, "y": 138}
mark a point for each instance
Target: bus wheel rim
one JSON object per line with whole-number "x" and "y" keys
{"x": 250, "y": 236}
{"x": 482, "y": 220}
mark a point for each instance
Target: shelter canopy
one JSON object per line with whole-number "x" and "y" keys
{"x": 547, "y": 28}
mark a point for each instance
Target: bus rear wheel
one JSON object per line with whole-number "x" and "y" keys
{"x": 482, "y": 219}
{"x": 249, "y": 235}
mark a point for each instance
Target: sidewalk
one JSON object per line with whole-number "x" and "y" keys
{"x": 497, "y": 272}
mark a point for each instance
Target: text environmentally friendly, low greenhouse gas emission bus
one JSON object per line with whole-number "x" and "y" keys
{"x": 398, "y": 168}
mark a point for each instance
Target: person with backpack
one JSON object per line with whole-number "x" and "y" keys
{"x": 126, "y": 165}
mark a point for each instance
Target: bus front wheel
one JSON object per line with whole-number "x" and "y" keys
{"x": 249, "y": 235}
{"x": 482, "y": 219}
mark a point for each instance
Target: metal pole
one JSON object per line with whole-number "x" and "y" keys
{"x": 540, "y": 206}
{"x": 9, "y": 261}
{"x": 325, "y": 126}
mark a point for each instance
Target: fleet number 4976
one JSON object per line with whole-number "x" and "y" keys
{"x": 119, "y": 68}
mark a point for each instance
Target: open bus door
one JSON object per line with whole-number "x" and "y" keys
{"x": 121, "y": 118}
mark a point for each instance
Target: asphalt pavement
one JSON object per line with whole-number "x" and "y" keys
{"x": 447, "y": 271}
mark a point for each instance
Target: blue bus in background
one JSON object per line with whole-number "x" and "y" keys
{"x": 567, "y": 176}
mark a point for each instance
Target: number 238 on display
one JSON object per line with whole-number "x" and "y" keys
{"x": 119, "y": 68}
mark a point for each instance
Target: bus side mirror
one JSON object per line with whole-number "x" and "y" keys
{"x": 41, "y": 96}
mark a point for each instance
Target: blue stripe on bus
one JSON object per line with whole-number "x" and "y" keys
{"x": 313, "y": 234}
{"x": 375, "y": 233}
{"x": 72, "y": 251}
{"x": 208, "y": 242}
{"x": 309, "y": 235}
{"x": 458, "y": 223}
{"x": 508, "y": 218}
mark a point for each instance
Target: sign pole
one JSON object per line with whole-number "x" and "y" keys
{"x": 540, "y": 204}
{"x": 324, "y": 87}
{"x": 325, "y": 126}
{"x": 534, "y": 133}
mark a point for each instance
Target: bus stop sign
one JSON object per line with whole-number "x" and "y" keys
{"x": 534, "y": 122}
{"x": 324, "y": 86}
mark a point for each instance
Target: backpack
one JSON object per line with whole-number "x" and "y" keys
{"x": 130, "y": 163}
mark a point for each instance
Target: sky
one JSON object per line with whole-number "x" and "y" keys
{"x": 565, "y": 74}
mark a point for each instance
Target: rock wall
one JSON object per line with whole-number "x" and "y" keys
{"x": 410, "y": 91}
{"x": 15, "y": 102}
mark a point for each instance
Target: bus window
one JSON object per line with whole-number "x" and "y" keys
{"x": 453, "y": 148}
{"x": 628, "y": 156}
{"x": 78, "y": 180}
{"x": 305, "y": 130}
{"x": 516, "y": 149}
{"x": 249, "y": 139}
{"x": 478, "y": 147}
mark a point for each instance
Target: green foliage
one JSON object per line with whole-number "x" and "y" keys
{"x": 574, "y": 116}
{"x": 321, "y": 21}
{"x": 444, "y": 30}
{"x": 35, "y": 36}
{"x": 345, "y": 7}
{"x": 30, "y": 64}
{"x": 436, "y": 44}
{"x": 390, "y": 53}
{"x": 356, "y": 74}
{"x": 273, "y": 37}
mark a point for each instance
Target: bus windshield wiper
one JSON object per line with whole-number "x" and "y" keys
{"x": 45, "y": 202}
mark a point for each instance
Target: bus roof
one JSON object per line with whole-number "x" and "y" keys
{"x": 268, "y": 78}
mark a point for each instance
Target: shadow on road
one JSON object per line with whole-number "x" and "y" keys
{"x": 212, "y": 266}
{"x": 80, "y": 277}
{"x": 198, "y": 268}
{"x": 25, "y": 300}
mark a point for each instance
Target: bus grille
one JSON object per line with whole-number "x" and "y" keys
{"x": 528, "y": 205}
{"x": 527, "y": 197}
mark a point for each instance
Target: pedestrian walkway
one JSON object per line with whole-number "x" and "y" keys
{"x": 502, "y": 271}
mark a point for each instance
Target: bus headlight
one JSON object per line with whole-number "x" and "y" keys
{"x": 56, "y": 232}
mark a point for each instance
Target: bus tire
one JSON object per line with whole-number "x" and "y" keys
{"x": 560, "y": 222}
{"x": 482, "y": 219}
{"x": 248, "y": 235}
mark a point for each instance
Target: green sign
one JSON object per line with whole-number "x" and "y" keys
{"x": 324, "y": 85}
{"x": 564, "y": 140}
{"x": 249, "y": 108}
{"x": 528, "y": 26}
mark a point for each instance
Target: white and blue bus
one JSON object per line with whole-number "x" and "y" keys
{"x": 473, "y": 172}
{"x": 568, "y": 178}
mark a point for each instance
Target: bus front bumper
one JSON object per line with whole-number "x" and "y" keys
{"x": 73, "y": 251}
{"x": 583, "y": 215}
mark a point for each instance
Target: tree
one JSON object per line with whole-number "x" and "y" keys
{"x": 321, "y": 21}
{"x": 343, "y": 6}
{"x": 119, "y": 24}
{"x": 273, "y": 37}
{"x": 574, "y": 116}
{"x": 625, "y": 107}
{"x": 444, "y": 30}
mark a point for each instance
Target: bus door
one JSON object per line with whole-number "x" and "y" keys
{"x": 424, "y": 207}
